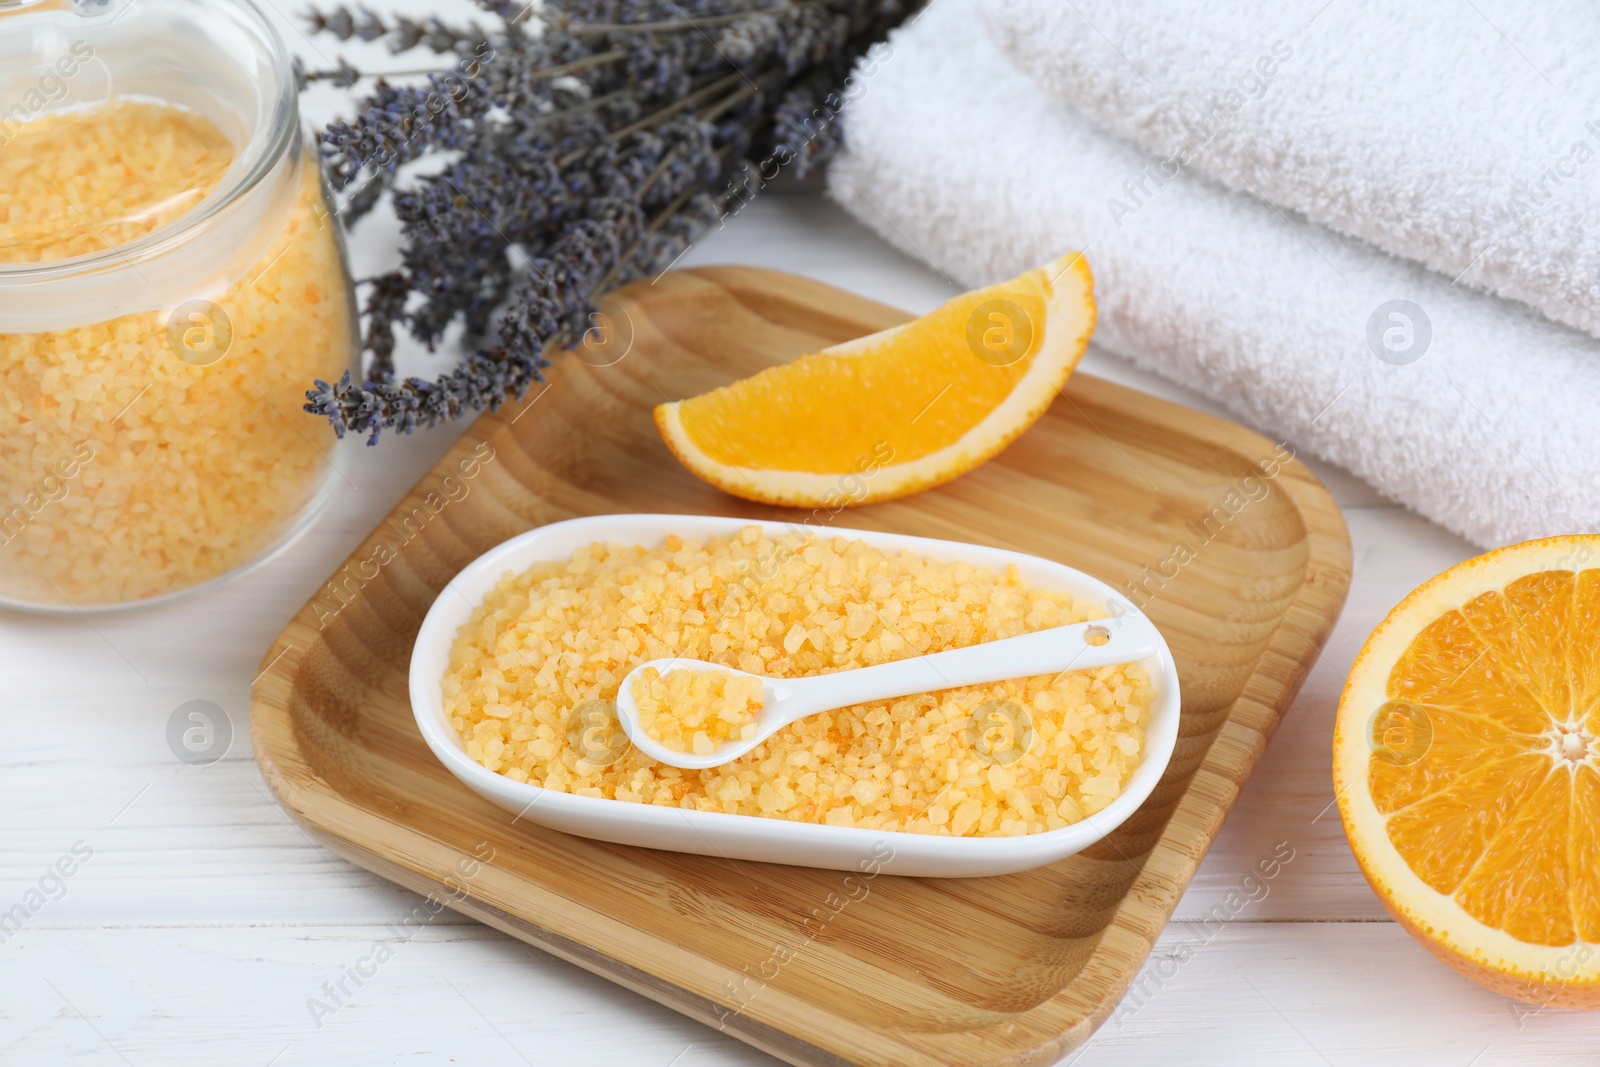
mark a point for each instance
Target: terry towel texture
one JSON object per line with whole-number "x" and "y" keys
{"x": 1462, "y": 135}
{"x": 1484, "y": 426}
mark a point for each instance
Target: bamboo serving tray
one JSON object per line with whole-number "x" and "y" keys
{"x": 1017, "y": 969}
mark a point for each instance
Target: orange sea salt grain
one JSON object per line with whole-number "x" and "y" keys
{"x": 1016, "y": 757}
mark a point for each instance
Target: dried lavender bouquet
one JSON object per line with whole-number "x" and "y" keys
{"x": 586, "y": 143}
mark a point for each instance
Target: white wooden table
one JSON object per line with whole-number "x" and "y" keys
{"x": 204, "y": 923}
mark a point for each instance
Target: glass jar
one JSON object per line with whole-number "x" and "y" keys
{"x": 172, "y": 280}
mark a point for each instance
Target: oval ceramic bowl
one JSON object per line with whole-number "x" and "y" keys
{"x": 748, "y": 837}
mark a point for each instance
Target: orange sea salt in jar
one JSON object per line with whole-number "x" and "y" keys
{"x": 171, "y": 281}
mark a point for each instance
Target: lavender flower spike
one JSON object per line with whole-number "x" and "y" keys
{"x": 581, "y": 144}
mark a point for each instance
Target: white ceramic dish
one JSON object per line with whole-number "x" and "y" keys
{"x": 748, "y": 837}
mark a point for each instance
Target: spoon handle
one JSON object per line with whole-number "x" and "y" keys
{"x": 1060, "y": 648}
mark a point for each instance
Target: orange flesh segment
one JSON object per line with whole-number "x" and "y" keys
{"x": 1525, "y": 627}
{"x": 1484, "y": 808}
{"x": 1450, "y": 665}
{"x": 921, "y": 388}
{"x": 1584, "y": 655}
{"x": 1427, "y": 764}
{"x": 1520, "y": 882}
{"x": 1584, "y": 856}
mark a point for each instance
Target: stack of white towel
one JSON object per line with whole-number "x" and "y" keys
{"x": 1359, "y": 225}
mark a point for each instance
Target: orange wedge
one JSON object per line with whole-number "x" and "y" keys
{"x": 1466, "y": 762}
{"x": 897, "y": 411}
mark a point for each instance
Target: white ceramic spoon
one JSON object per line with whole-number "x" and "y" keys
{"x": 1081, "y": 646}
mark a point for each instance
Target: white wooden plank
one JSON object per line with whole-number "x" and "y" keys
{"x": 425, "y": 994}
{"x": 1313, "y": 994}
{"x": 1323, "y": 995}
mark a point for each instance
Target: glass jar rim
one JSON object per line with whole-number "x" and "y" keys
{"x": 262, "y": 156}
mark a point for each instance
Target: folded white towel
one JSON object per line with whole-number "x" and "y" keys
{"x": 958, "y": 157}
{"x": 1462, "y": 135}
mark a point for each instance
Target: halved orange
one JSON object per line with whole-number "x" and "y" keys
{"x": 897, "y": 411}
{"x": 1466, "y": 763}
